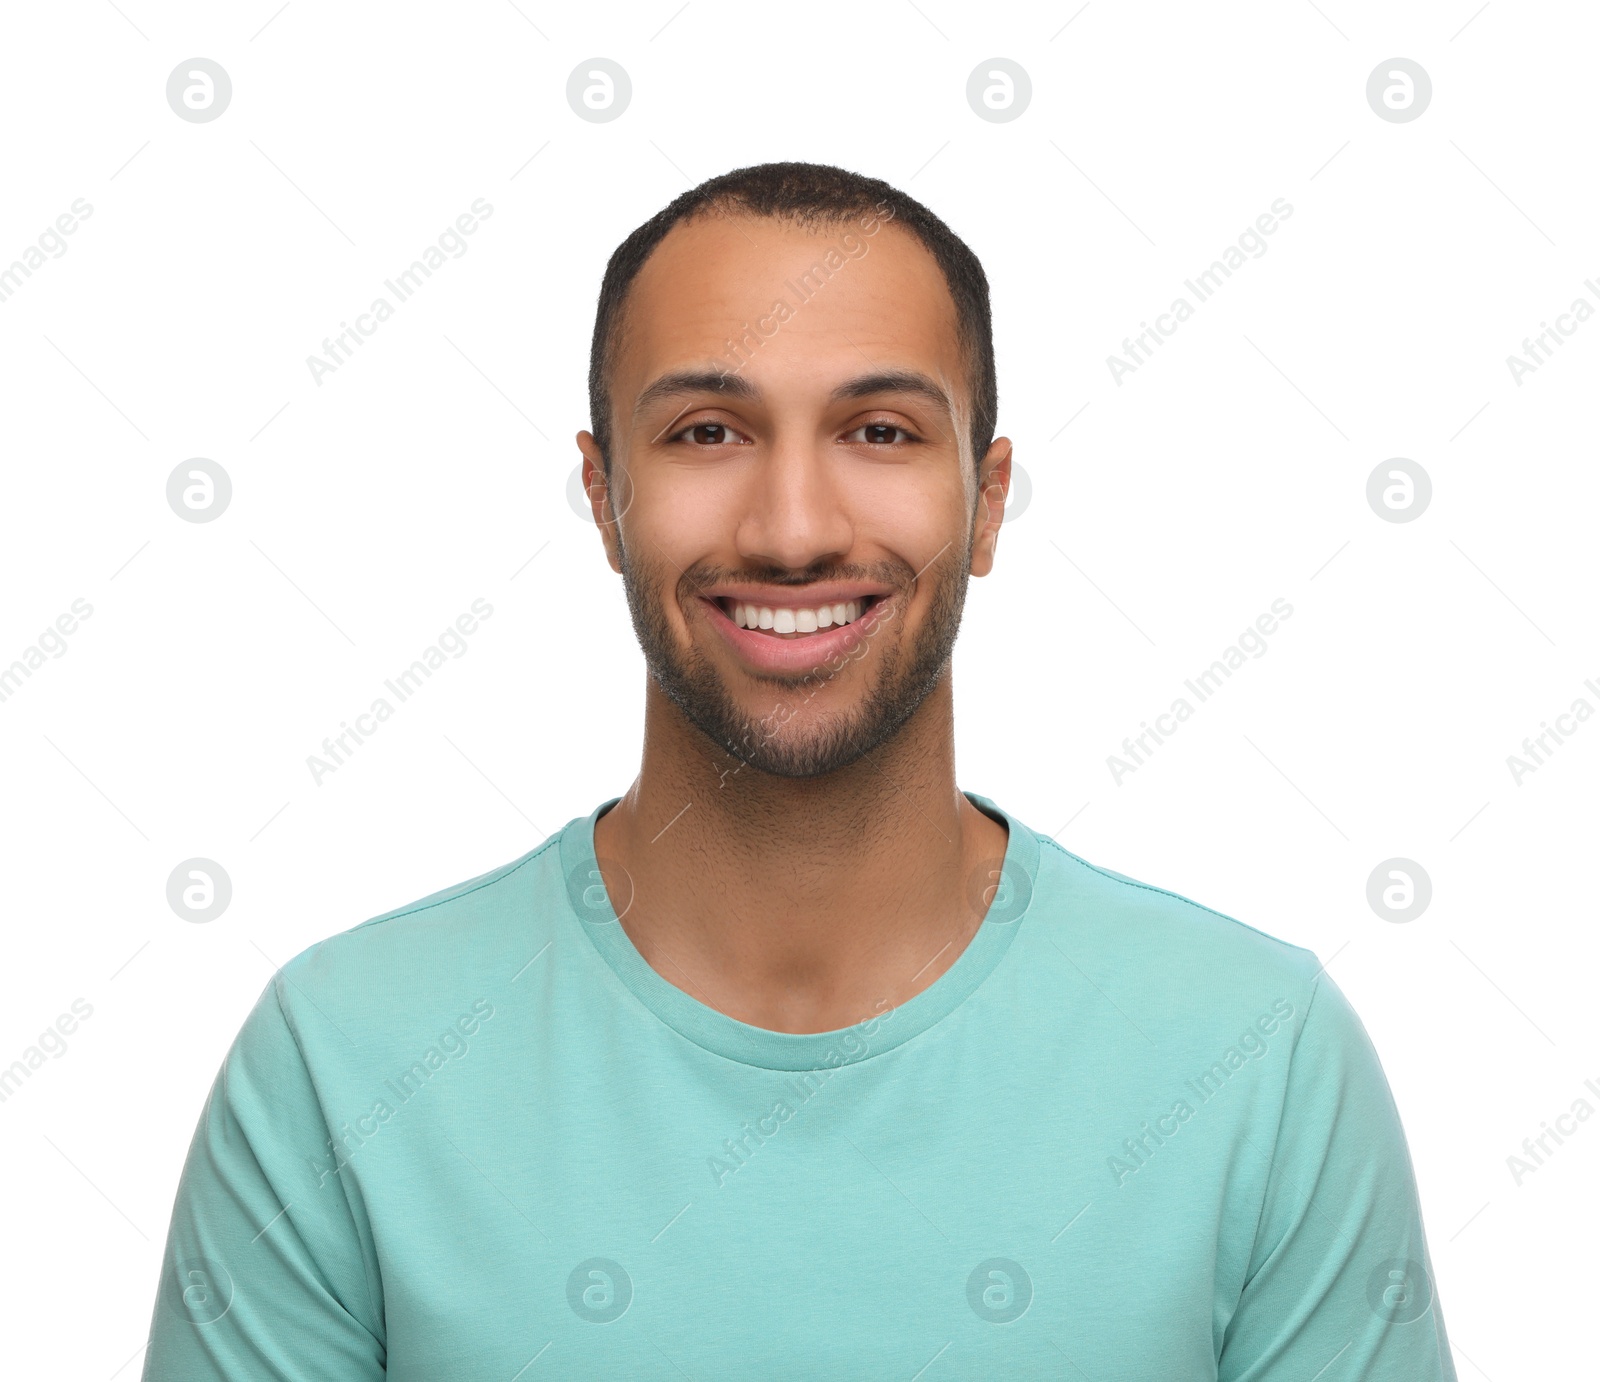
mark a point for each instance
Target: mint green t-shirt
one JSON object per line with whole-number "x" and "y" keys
{"x": 479, "y": 1137}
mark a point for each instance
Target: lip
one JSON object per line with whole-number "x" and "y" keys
{"x": 795, "y": 656}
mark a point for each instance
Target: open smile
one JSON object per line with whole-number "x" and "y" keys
{"x": 795, "y": 631}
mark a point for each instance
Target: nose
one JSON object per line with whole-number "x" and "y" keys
{"x": 795, "y": 514}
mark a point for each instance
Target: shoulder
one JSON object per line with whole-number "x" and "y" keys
{"x": 414, "y": 961}
{"x": 1180, "y": 960}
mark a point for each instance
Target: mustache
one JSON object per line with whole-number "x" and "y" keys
{"x": 701, "y": 578}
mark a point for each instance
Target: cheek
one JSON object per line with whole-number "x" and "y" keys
{"x": 684, "y": 517}
{"x": 909, "y": 517}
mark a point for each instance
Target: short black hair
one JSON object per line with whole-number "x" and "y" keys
{"x": 806, "y": 194}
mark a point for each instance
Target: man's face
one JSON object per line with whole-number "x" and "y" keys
{"x": 796, "y": 510}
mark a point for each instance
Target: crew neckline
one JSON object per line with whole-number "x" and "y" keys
{"x": 590, "y": 906}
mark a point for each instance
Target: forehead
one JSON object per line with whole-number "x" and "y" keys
{"x": 717, "y": 280}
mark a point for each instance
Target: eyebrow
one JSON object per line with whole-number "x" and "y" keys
{"x": 681, "y": 382}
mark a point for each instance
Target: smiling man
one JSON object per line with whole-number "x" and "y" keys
{"x": 797, "y": 1061}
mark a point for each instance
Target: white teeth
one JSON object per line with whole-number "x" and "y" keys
{"x": 791, "y": 620}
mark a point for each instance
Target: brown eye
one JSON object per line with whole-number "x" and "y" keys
{"x": 880, "y": 434}
{"x": 709, "y": 434}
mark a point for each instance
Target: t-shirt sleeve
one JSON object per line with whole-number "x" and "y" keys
{"x": 1339, "y": 1285}
{"x": 268, "y": 1270}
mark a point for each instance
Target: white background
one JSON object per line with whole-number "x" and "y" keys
{"x": 1168, "y": 511}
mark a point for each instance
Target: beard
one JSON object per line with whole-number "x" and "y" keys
{"x": 902, "y": 674}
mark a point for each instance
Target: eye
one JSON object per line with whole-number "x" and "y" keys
{"x": 708, "y": 434}
{"x": 880, "y": 434}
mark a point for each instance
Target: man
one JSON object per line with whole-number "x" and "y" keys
{"x": 796, "y": 1061}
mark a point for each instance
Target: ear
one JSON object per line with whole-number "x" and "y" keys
{"x": 994, "y": 481}
{"x": 598, "y": 488}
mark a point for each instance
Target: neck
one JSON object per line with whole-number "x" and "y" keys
{"x": 800, "y": 904}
